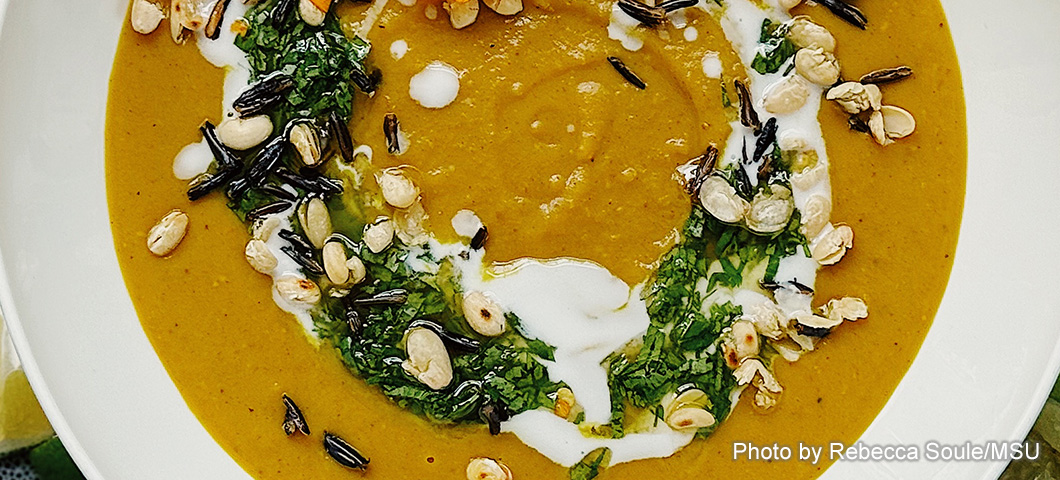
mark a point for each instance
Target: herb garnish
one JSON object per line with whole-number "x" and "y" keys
{"x": 774, "y": 48}
{"x": 674, "y": 350}
{"x": 505, "y": 370}
{"x": 592, "y": 465}
{"x": 677, "y": 348}
{"x": 325, "y": 64}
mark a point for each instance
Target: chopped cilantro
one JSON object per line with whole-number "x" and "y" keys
{"x": 774, "y": 49}
{"x": 676, "y": 349}
{"x": 726, "y": 102}
{"x": 251, "y": 199}
{"x": 592, "y": 465}
{"x": 322, "y": 61}
{"x": 505, "y": 369}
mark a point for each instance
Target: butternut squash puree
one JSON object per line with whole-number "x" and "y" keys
{"x": 232, "y": 352}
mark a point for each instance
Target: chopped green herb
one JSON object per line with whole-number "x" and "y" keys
{"x": 726, "y": 102}
{"x": 592, "y": 465}
{"x": 505, "y": 370}
{"x": 674, "y": 348}
{"x": 323, "y": 62}
{"x": 578, "y": 419}
{"x": 253, "y": 198}
{"x": 774, "y": 49}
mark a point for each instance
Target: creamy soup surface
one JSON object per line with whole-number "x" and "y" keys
{"x": 554, "y": 173}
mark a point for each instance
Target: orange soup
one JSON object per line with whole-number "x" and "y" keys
{"x": 554, "y": 172}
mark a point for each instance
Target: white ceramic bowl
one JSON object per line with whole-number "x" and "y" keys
{"x": 983, "y": 372}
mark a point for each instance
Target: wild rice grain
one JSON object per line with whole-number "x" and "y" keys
{"x": 626, "y": 73}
